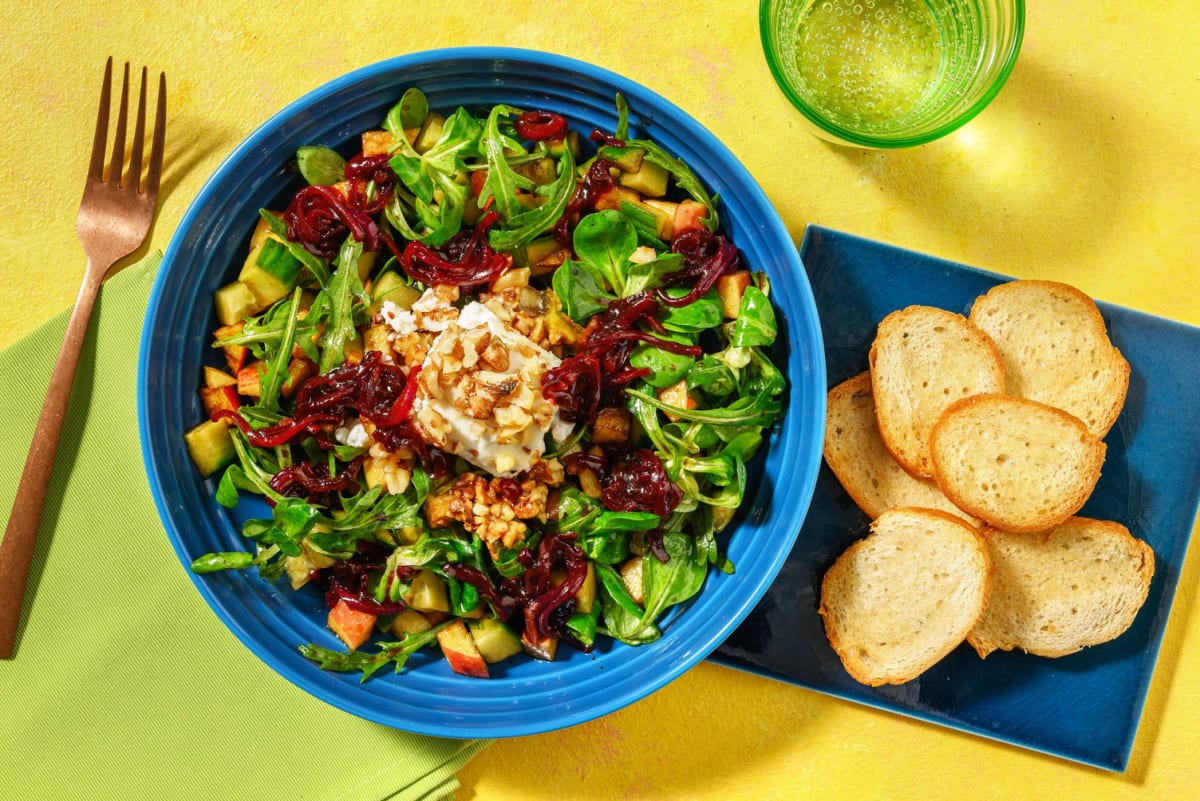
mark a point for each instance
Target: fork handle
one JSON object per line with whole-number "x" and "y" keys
{"x": 16, "y": 549}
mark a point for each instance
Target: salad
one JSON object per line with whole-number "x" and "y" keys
{"x": 497, "y": 382}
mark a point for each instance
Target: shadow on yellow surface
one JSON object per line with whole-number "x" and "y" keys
{"x": 1009, "y": 176}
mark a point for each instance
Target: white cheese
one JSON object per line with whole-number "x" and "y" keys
{"x": 402, "y": 321}
{"x": 480, "y": 394}
{"x": 352, "y": 433}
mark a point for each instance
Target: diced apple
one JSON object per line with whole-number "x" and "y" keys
{"x": 410, "y": 621}
{"x": 478, "y": 179}
{"x": 439, "y": 509}
{"x": 612, "y": 426}
{"x": 495, "y": 641}
{"x": 730, "y": 288}
{"x": 613, "y": 198}
{"x": 460, "y": 651}
{"x": 372, "y": 472}
{"x": 377, "y": 143}
{"x": 667, "y": 208}
{"x": 261, "y": 231}
{"x": 298, "y": 370}
{"x": 235, "y": 302}
{"x": 430, "y": 133}
{"x": 585, "y": 596}
{"x": 319, "y": 560}
{"x": 391, "y": 286}
{"x": 299, "y": 569}
{"x": 631, "y": 574}
{"x": 689, "y": 214}
{"x": 590, "y": 483}
{"x": 366, "y": 263}
{"x": 427, "y": 593}
{"x": 249, "y": 380}
{"x": 721, "y": 517}
{"x": 376, "y": 338}
{"x": 650, "y": 179}
{"x": 235, "y": 355}
{"x": 210, "y": 446}
{"x": 214, "y": 377}
{"x": 352, "y": 626}
{"x": 512, "y": 278}
{"x": 537, "y": 646}
{"x": 677, "y": 395}
{"x": 215, "y": 399}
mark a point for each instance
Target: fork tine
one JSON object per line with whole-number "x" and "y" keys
{"x": 100, "y": 140}
{"x": 118, "y": 153}
{"x": 160, "y": 132}
{"x": 134, "y": 177}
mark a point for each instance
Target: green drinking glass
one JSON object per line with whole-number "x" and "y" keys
{"x": 890, "y": 73}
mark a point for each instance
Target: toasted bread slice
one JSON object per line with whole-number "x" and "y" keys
{"x": 922, "y": 360}
{"x": 1056, "y": 592}
{"x": 1017, "y": 464}
{"x": 900, "y": 599}
{"x": 858, "y": 458}
{"x": 1056, "y": 349}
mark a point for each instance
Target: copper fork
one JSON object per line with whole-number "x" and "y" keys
{"x": 114, "y": 218}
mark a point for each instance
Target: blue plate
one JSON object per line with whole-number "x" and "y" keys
{"x": 524, "y": 696}
{"x": 1084, "y": 707}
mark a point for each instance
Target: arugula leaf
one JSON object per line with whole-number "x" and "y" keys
{"x": 502, "y": 180}
{"x": 684, "y": 177}
{"x": 277, "y": 365}
{"x": 262, "y": 334}
{"x": 395, "y": 653}
{"x": 527, "y": 225}
{"x": 761, "y": 409}
{"x": 344, "y": 288}
{"x": 434, "y": 194}
{"x": 622, "y": 131}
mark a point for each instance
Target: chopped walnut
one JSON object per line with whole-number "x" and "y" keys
{"x": 483, "y": 508}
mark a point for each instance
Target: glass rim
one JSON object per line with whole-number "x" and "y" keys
{"x": 848, "y": 136}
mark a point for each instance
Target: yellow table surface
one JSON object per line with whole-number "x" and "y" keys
{"x": 1082, "y": 170}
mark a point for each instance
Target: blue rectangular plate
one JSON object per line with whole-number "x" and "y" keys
{"x": 1083, "y": 707}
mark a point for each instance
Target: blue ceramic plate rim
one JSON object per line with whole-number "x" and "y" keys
{"x": 427, "y": 698}
{"x": 1085, "y": 707}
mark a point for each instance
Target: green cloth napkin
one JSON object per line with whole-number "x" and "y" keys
{"x": 125, "y": 685}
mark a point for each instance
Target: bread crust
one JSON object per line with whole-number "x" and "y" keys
{"x": 1056, "y": 348}
{"x": 856, "y": 455}
{"x": 1000, "y": 486}
{"x": 1056, "y": 592}
{"x": 923, "y": 359}
{"x": 908, "y": 608}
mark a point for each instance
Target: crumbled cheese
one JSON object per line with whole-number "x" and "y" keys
{"x": 480, "y": 394}
{"x": 402, "y": 321}
{"x": 352, "y": 433}
{"x": 435, "y": 310}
